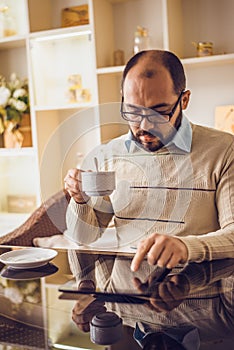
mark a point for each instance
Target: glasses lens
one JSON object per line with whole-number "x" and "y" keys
{"x": 158, "y": 118}
{"x": 135, "y": 114}
{"x": 132, "y": 117}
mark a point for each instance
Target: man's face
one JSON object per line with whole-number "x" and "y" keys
{"x": 157, "y": 92}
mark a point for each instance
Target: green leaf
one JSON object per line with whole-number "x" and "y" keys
{"x": 13, "y": 115}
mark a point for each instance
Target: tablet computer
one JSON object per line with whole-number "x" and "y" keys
{"x": 71, "y": 291}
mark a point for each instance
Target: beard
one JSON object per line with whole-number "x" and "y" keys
{"x": 157, "y": 138}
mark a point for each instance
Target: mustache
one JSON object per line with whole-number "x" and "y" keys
{"x": 153, "y": 133}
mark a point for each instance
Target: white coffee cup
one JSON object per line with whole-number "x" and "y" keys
{"x": 98, "y": 183}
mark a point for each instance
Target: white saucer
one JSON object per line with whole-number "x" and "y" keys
{"x": 27, "y": 258}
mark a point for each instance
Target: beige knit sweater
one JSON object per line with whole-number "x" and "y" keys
{"x": 170, "y": 191}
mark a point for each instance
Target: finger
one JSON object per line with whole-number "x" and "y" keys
{"x": 87, "y": 316}
{"x": 153, "y": 307}
{"x": 180, "y": 255}
{"x": 84, "y": 327}
{"x": 179, "y": 291}
{"x": 160, "y": 252}
{"x": 182, "y": 282}
{"x": 163, "y": 300}
{"x": 170, "y": 257}
{"x": 137, "y": 283}
{"x": 73, "y": 176}
{"x": 164, "y": 258}
{"x": 164, "y": 293}
{"x": 141, "y": 287}
{"x": 158, "y": 275}
{"x": 158, "y": 305}
{"x": 165, "y": 252}
{"x": 154, "y": 253}
{"x": 142, "y": 249}
{"x": 172, "y": 295}
{"x": 73, "y": 173}
{"x": 155, "y": 301}
{"x": 73, "y": 183}
{"x": 173, "y": 261}
{"x": 85, "y": 303}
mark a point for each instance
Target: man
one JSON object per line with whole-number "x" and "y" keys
{"x": 175, "y": 192}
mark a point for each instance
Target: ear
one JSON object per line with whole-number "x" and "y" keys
{"x": 185, "y": 99}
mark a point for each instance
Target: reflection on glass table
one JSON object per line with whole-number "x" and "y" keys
{"x": 191, "y": 304}
{"x": 54, "y": 306}
{"x": 31, "y": 314}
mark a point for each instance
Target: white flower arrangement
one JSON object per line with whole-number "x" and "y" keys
{"x": 14, "y": 102}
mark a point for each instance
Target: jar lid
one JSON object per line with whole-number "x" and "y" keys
{"x": 106, "y": 328}
{"x": 106, "y": 319}
{"x": 205, "y": 43}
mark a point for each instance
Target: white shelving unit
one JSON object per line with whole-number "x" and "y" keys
{"x": 48, "y": 54}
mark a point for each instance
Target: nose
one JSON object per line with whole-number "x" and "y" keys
{"x": 146, "y": 124}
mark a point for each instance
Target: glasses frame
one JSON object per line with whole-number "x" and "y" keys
{"x": 165, "y": 117}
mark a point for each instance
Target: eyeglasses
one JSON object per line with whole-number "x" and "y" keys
{"x": 135, "y": 114}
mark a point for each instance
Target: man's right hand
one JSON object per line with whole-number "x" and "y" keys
{"x": 85, "y": 308}
{"x": 73, "y": 185}
{"x": 166, "y": 295}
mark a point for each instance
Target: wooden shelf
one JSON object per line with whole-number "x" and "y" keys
{"x": 19, "y": 152}
{"x": 62, "y": 107}
{"x": 110, "y": 70}
{"x": 13, "y": 42}
{"x": 60, "y": 33}
{"x": 201, "y": 61}
{"x": 209, "y": 60}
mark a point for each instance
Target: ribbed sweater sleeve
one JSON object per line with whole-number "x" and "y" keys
{"x": 213, "y": 245}
{"x": 217, "y": 244}
{"x": 86, "y": 222}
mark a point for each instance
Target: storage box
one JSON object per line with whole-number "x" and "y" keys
{"x": 75, "y": 16}
{"x": 21, "y": 204}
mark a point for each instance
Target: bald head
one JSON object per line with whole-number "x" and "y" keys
{"x": 149, "y": 63}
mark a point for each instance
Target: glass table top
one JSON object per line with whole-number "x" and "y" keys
{"x": 55, "y": 305}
